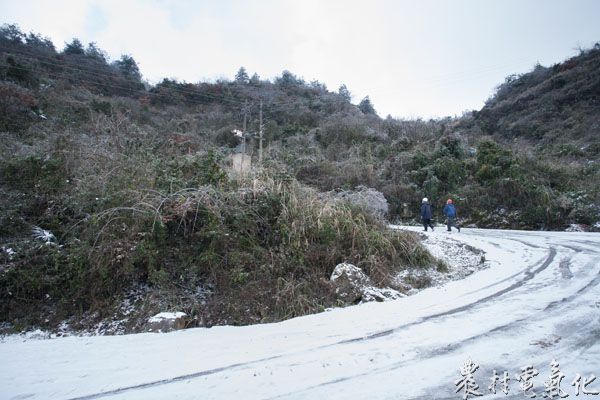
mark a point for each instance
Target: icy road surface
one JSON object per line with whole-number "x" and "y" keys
{"x": 539, "y": 301}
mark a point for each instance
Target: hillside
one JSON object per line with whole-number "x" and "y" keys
{"x": 553, "y": 107}
{"x": 117, "y": 195}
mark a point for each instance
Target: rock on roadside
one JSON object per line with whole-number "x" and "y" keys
{"x": 368, "y": 199}
{"x": 166, "y": 322}
{"x": 353, "y": 285}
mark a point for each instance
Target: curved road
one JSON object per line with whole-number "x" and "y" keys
{"x": 538, "y": 301}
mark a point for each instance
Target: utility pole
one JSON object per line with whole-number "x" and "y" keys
{"x": 245, "y": 119}
{"x": 244, "y": 138}
{"x": 260, "y": 136}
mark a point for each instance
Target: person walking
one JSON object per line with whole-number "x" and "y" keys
{"x": 450, "y": 213}
{"x": 426, "y": 214}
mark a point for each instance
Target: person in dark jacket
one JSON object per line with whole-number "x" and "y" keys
{"x": 426, "y": 214}
{"x": 450, "y": 213}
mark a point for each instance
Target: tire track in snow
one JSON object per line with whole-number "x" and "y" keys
{"x": 167, "y": 381}
{"x": 508, "y": 278}
{"x": 452, "y": 347}
{"x": 591, "y": 284}
{"x": 579, "y": 249}
{"x": 528, "y": 276}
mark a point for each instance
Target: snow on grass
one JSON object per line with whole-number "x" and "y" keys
{"x": 43, "y": 235}
{"x": 9, "y": 252}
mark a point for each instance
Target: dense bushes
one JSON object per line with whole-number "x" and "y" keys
{"x": 253, "y": 245}
{"x": 17, "y": 108}
{"x": 34, "y": 174}
{"x": 131, "y": 205}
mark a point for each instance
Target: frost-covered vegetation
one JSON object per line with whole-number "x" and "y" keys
{"x": 131, "y": 187}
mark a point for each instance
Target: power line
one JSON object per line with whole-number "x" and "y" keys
{"x": 274, "y": 106}
{"x": 102, "y": 73}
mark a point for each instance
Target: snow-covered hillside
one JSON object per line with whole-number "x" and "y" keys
{"x": 537, "y": 302}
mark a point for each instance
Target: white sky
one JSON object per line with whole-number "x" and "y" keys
{"x": 413, "y": 58}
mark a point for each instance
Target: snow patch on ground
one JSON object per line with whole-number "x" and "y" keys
{"x": 373, "y": 293}
{"x": 460, "y": 259}
{"x": 34, "y": 334}
{"x": 575, "y": 228}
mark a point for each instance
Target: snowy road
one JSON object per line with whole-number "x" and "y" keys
{"x": 539, "y": 301}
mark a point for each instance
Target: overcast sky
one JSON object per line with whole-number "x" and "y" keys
{"x": 413, "y": 58}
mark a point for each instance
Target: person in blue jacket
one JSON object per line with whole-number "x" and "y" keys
{"x": 426, "y": 214}
{"x": 450, "y": 213}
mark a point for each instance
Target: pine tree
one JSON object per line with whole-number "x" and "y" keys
{"x": 366, "y": 106}
{"x": 38, "y": 42}
{"x": 75, "y": 47}
{"x": 96, "y": 53}
{"x": 345, "y": 93}
{"x": 128, "y": 67}
{"x": 255, "y": 80}
{"x": 12, "y": 34}
{"x": 242, "y": 76}
{"x": 288, "y": 79}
